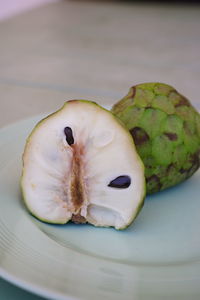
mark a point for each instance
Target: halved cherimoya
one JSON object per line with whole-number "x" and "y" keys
{"x": 80, "y": 164}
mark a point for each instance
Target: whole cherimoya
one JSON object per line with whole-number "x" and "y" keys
{"x": 80, "y": 164}
{"x": 166, "y": 131}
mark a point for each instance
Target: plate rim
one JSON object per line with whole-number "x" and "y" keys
{"x": 18, "y": 281}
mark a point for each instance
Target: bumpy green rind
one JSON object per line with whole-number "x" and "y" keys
{"x": 166, "y": 131}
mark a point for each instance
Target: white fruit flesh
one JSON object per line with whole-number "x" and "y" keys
{"x": 61, "y": 181}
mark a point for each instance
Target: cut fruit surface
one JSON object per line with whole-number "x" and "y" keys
{"x": 80, "y": 164}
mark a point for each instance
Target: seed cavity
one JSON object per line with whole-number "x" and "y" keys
{"x": 69, "y": 135}
{"x": 120, "y": 182}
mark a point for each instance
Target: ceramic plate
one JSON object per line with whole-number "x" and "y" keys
{"x": 158, "y": 257}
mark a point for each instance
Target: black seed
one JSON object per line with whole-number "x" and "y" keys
{"x": 120, "y": 182}
{"x": 69, "y": 135}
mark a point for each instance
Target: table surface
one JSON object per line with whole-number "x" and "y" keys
{"x": 93, "y": 50}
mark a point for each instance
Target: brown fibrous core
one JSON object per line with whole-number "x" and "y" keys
{"x": 77, "y": 187}
{"x": 78, "y": 219}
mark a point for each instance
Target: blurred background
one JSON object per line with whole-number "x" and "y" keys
{"x": 51, "y": 51}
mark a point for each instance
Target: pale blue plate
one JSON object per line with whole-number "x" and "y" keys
{"x": 158, "y": 257}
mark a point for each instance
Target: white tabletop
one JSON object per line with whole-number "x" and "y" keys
{"x": 95, "y": 50}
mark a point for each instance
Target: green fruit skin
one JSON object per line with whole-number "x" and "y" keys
{"x": 166, "y": 131}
